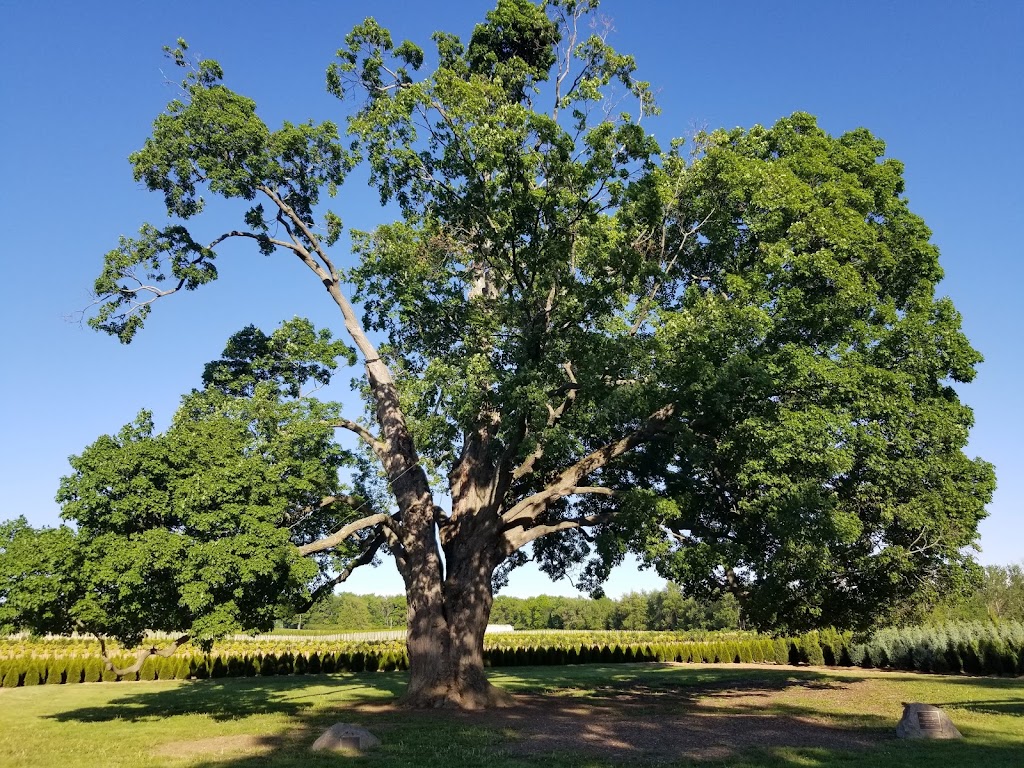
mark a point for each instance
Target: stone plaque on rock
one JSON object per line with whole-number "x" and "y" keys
{"x": 345, "y": 737}
{"x": 925, "y": 721}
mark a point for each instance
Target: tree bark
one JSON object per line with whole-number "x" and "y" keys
{"x": 446, "y": 638}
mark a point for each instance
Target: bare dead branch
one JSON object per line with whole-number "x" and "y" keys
{"x": 644, "y": 305}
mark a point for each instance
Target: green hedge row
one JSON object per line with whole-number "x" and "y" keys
{"x": 963, "y": 648}
{"x": 49, "y": 671}
{"x": 972, "y": 648}
{"x": 41, "y": 671}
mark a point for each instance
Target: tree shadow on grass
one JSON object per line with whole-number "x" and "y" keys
{"x": 1013, "y": 707}
{"x": 583, "y": 717}
{"x": 625, "y": 679}
{"x": 238, "y": 698}
{"x": 1002, "y": 695}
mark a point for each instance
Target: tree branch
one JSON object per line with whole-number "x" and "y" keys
{"x": 532, "y": 506}
{"x": 514, "y": 541}
{"x": 381, "y": 518}
{"x": 644, "y": 305}
{"x": 554, "y": 416}
{"x": 368, "y": 437}
{"x": 353, "y": 501}
{"x": 140, "y": 655}
{"x": 365, "y": 558}
{"x": 398, "y": 454}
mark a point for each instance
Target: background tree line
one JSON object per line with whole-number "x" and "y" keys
{"x": 662, "y": 610}
{"x": 998, "y": 597}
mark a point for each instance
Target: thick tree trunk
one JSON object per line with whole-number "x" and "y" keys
{"x": 446, "y": 639}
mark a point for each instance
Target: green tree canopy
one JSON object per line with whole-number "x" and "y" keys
{"x": 727, "y": 356}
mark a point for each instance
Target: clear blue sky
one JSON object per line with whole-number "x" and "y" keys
{"x": 940, "y": 82}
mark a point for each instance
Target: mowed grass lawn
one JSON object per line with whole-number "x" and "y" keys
{"x": 644, "y": 714}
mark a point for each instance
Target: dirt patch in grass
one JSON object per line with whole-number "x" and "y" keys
{"x": 635, "y": 722}
{"x": 229, "y": 746}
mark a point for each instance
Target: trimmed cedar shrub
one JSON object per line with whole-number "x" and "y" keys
{"x": 996, "y": 657}
{"x": 953, "y": 662}
{"x": 55, "y": 670}
{"x": 75, "y": 671}
{"x": 10, "y": 674}
{"x": 781, "y": 648}
{"x": 811, "y": 651}
{"x": 756, "y": 652}
{"x": 167, "y": 667}
{"x": 150, "y": 669}
{"x": 183, "y": 669}
{"x": 795, "y": 656}
{"x": 939, "y": 663}
{"x": 107, "y": 675}
{"x": 746, "y": 652}
{"x": 93, "y": 671}
{"x": 286, "y": 663}
{"x": 971, "y": 659}
{"x": 219, "y": 669}
{"x": 869, "y": 659}
{"x": 313, "y": 665}
{"x": 35, "y": 673}
{"x": 268, "y": 665}
{"x": 200, "y": 667}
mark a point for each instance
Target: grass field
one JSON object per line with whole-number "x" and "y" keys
{"x": 567, "y": 716}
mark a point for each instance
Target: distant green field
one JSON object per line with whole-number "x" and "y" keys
{"x": 585, "y": 717}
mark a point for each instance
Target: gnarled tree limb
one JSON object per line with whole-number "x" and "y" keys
{"x": 381, "y": 518}
{"x": 140, "y": 655}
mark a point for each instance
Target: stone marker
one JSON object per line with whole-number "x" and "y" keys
{"x": 345, "y": 737}
{"x": 924, "y": 721}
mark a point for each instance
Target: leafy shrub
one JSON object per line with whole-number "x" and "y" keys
{"x": 75, "y": 671}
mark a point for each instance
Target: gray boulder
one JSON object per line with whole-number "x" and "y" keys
{"x": 925, "y": 721}
{"x": 345, "y": 737}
